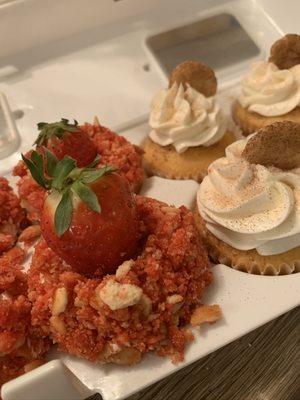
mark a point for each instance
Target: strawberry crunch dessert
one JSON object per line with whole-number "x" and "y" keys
{"x": 141, "y": 307}
{"x": 83, "y": 144}
{"x": 113, "y": 275}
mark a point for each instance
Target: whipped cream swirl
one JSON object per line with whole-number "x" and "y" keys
{"x": 185, "y": 118}
{"x": 270, "y": 91}
{"x": 251, "y": 206}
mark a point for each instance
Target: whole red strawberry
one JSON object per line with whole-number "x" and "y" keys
{"x": 66, "y": 139}
{"x": 89, "y": 217}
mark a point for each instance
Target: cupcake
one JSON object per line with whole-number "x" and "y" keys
{"x": 271, "y": 91}
{"x": 188, "y": 128}
{"x": 248, "y": 206}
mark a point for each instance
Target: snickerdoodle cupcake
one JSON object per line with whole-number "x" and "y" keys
{"x": 271, "y": 91}
{"x": 248, "y": 206}
{"x": 188, "y": 127}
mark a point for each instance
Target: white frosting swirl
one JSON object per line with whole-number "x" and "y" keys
{"x": 251, "y": 206}
{"x": 185, "y": 118}
{"x": 270, "y": 91}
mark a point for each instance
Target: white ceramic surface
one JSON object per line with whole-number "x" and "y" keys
{"x": 102, "y": 72}
{"x": 50, "y": 381}
{"x": 9, "y": 135}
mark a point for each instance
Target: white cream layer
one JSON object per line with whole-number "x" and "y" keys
{"x": 185, "y": 118}
{"x": 270, "y": 91}
{"x": 251, "y": 206}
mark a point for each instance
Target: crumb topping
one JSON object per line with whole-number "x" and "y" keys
{"x": 122, "y": 316}
{"x": 123, "y": 269}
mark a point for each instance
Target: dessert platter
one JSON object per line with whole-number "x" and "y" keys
{"x": 126, "y": 256}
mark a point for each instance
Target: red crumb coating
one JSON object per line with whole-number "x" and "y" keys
{"x": 31, "y": 194}
{"x": 12, "y": 279}
{"x": 172, "y": 262}
{"x": 19, "y": 342}
{"x": 12, "y": 216}
{"x": 115, "y": 150}
{"x": 11, "y": 367}
{"x": 47, "y": 273}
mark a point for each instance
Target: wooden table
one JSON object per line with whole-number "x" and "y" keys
{"x": 263, "y": 365}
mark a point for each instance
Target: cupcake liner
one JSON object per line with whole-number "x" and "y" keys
{"x": 254, "y": 267}
{"x": 269, "y": 269}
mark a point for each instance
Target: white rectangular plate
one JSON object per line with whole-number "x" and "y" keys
{"x": 109, "y": 71}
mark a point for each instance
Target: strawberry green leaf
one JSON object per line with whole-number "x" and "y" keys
{"x": 87, "y": 196}
{"x": 36, "y": 173}
{"x": 65, "y": 122}
{"x": 61, "y": 172}
{"x": 51, "y": 162}
{"x": 75, "y": 173}
{"x": 63, "y": 213}
{"x": 54, "y": 129}
{"x": 92, "y": 176}
{"x": 37, "y": 160}
{"x": 41, "y": 125}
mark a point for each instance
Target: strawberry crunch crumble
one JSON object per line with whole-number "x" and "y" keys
{"x": 143, "y": 307}
{"x": 21, "y": 346}
{"x": 12, "y": 216}
{"x": 117, "y": 151}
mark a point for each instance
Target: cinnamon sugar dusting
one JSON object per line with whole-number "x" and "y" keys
{"x": 251, "y": 205}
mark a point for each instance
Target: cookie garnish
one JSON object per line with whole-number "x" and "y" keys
{"x": 285, "y": 52}
{"x": 277, "y": 144}
{"x": 199, "y": 76}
